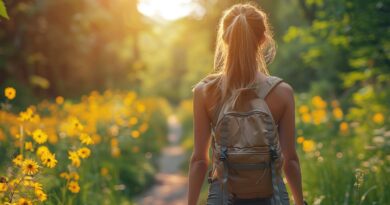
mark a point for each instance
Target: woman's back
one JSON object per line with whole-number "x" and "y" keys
{"x": 244, "y": 47}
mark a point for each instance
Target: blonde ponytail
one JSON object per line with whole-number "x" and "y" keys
{"x": 244, "y": 46}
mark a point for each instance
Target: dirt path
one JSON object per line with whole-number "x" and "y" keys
{"x": 171, "y": 186}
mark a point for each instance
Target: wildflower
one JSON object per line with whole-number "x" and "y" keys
{"x": 74, "y": 187}
{"x": 49, "y": 160}
{"x": 74, "y": 176}
{"x": 143, "y": 127}
{"x": 378, "y": 118}
{"x": 39, "y": 136}
{"x": 76, "y": 125}
{"x": 3, "y": 187}
{"x": 86, "y": 139}
{"x": 65, "y": 175}
{"x": 114, "y": 142}
{"x": 18, "y": 160}
{"x": 104, "y": 171}
{"x": 300, "y": 139}
{"x": 303, "y": 109}
{"x": 2, "y": 135}
{"x": 42, "y": 150}
{"x": 10, "y": 93}
{"x": 84, "y": 152}
{"x": 115, "y": 151}
{"x": 26, "y": 116}
{"x": 344, "y": 127}
{"x": 28, "y": 146}
{"x": 140, "y": 107}
{"x": 41, "y": 195}
{"x": 74, "y": 157}
{"x": 337, "y": 113}
{"x": 306, "y": 118}
{"x": 133, "y": 121}
{"x": 135, "y": 134}
{"x": 30, "y": 167}
{"x": 24, "y": 201}
{"x": 308, "y": 145}
{"x": 318, "y": 102}
{"x": 59, "y": 100}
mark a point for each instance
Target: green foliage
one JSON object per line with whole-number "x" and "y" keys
{"x": 3, "y": 10}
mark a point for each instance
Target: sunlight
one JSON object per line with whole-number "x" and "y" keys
{"x": 169, "y": 9}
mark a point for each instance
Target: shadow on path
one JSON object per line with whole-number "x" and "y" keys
{"x": 171, "y": 185}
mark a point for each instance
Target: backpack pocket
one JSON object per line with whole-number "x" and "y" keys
{"x": 249, "y": 173}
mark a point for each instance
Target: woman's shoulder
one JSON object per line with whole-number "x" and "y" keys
{"x": 207, "y": 81}
{"x": 283, "y": 91}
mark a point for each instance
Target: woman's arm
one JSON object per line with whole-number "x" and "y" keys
{"x": 291, "y": 165}
{"x": 200, "y": 158}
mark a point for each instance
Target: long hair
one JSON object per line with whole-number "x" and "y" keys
{"x": 244, "y": 46}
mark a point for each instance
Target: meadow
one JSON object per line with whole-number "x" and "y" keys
{"x": 100, "y": 150}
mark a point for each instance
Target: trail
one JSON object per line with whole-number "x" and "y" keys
{"x": 171, "y": 185}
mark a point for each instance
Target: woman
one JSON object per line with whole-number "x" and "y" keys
{"x": 244, "y": 48}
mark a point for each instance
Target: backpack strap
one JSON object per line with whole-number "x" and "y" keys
{"x": 269, "y": 84}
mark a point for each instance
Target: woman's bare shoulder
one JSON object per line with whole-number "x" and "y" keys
{"x": 205, "y": 82}
{"x": 284, "y": 92}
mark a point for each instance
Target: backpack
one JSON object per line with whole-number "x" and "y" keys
{"x": 246, "y": 151}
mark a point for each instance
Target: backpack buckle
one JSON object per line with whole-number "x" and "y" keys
{"x": 223, "y": 155}
{"x": 273, "y": 153}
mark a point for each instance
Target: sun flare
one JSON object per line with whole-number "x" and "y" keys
{"x": 169, "y": 9}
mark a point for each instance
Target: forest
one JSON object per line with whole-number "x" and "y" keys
{"x": 89, "y": 86}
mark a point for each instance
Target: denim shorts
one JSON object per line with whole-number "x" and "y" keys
{"x": 215, "y": 193}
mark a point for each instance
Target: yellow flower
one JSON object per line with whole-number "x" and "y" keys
{"x": 319, "y": 116}
{"x": 140, "y": 107}
{"x": 76, "y": 124}
{"x": 135, "y": 134}
{"x": 104, "y": 171}
{"x": 306, "y": 118}
{"x": 378, "y": 118}
{"x": 39, "y": 136}
{"x": 338, "y": 113}
{"x": 3, "y": 187}
{"x": 28, "y": 146}
{"x": 115, "y": 152}
{"x": 26, "y": 116}
{"x": 42, "y": 150}
{"x": 40, "y": 195}
{"x": 10, "y": 93}
{"x": 303, "y": 109}
{"x": 59, "y": 100}
{"x": 133, "y": 121}
{"x": 30, "y": 167}
{"x": 308, "y": 145}
{"x": 344, "y": 127}
{"x": 65, "y": 175}
{"x": 74, "y": 157}
{"x": 23, "y": 201}
{"x": 74, "y": 175}
{"x": 84, "y": 152}
{"x": 18, "y": 160}
{"x": 49, "y": 160}
{"x": 114, "y": 142}
{"x": 74, "y": 187}
{"x": 2, "y": 135}
{"x": 143, "y": 127}
{"x": 300, "y": 139}
{"x": 85, "y": 139}
{"x": 318, "y": 102}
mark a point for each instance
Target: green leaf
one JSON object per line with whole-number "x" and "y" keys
{"x": 3, "y": 10}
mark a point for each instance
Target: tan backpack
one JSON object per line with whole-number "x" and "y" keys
{"x": 246, "y": 151}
